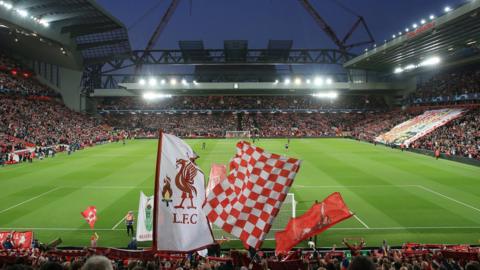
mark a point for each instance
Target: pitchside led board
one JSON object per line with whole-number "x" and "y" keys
{"x": 180, "y": 223}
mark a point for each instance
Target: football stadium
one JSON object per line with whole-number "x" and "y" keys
{"x": 293, "y": 134}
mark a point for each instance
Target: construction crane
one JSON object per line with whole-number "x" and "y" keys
{"x": 158, "y": 31}
{"x": 341, "y": 43}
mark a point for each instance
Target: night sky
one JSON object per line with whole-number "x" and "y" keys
{"x": 260, "y": 20}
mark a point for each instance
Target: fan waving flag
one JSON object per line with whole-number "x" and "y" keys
{"x": 246, "y": 203}
{"x": 90, "y": 215}
{"x": 320, "y": 217}
{"x": 180, "y": 225}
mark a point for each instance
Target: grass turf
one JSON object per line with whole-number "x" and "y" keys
{"x": 398, "y": 196}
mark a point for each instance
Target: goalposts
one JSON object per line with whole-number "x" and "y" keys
{"x": 287, "y": 211}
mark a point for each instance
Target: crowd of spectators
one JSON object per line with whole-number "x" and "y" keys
{"x": 448, "y": 85}
{"x": 14, "y": 79}
{"x": 382, "y": 258}
{"x": 185, "y": 125}
{"x": 460, "y": 137}
{"x": 235, "y": 103}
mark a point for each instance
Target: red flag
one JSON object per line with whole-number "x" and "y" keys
{"x": 320, "y": 217}
{"x": 218, "y": 172}
{"x": 246, "y": 203}
{"x": 90, "y": 215}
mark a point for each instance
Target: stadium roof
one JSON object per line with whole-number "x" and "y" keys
{"x": 95, "y": 33}
{"x": 453, "y": 35}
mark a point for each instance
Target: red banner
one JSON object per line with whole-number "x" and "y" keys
{"x": 19, "y": 240}
{"x": 320, "y": 217}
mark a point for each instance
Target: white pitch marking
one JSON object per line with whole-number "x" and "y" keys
{"x": 361, "y": 222}
{"x": 118, "y": 223}
{"x": 31, "y": 199}
{"x": 339, "y": 229}
{"x": 359, "y": 186}
{"x": 450, "y": 198}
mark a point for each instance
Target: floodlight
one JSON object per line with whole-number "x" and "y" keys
{"x": 414, "y": 25}
{"x": 447, "y": 9}
{"x": 329, "y": 81}
{"x": 432, "y": 61}
{"x": 287, "y": 81}
{"x": 331, "y": 95}
{"x": 173, "y": 81}
{"x": 23, "y": 13}
{"x": 152, "y": 81}
{"x": 298, "y": 81}
{"x": 318, "y": 81}
{"x": 398, "y": 70}
{"x": 423, "y": 21}
{"x": 432, "y": 17}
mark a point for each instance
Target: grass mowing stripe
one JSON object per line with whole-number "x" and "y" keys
{"x": 29, "y": 200}
{"x": 449, "y": 198}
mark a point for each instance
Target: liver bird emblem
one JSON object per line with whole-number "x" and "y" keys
{"x": 185, "y": 180}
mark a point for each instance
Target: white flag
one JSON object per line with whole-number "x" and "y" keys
{"x": 181, "y": 224}
{"x": 145, "y": 218}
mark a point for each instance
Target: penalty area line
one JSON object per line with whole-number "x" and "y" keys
{"x": 448, "y": 198}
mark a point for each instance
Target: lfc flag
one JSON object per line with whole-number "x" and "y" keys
{"x": 320, "y": 217}
{"x": 179, "y": 222}
{"x": 90, "y": 215}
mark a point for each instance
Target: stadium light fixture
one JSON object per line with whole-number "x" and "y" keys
{"x": 409, "y": 67}
{"x": 163, "y": 81}
{"x": 394, "y": 36}
{"x": 447, "y": 9}
{"x": 152, "y": 81}
{"x": 330, "y": 95}
{"x": 432, "y": 61}
{"x": 432, "y": 17}
{"x": 275, "y": 82}
{"x": 152, "y": 96}
{"x": 173, "y": 81}
{"x": 308, "y": 81}
{"x": 398, "y": 70}
{"x": 195, "y": 82}
{"x": 414, "y": 25}
{"x": 141, "y": 81}
{"x": 298, "y": 81}
{"x": 235, "y": 85}
{"x": 23, "y": 13}
{"x": 287, "y": 81}
{"x": 407, "y": 30}
{"x": 423, "y": 21}
{"x": 184, "y": 82}
{"x": 400, "y": 33}
{"x": 329, "y": 81}
{"x": 318, "y": 81}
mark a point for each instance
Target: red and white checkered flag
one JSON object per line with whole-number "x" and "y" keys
{"x": 248, "y": 200}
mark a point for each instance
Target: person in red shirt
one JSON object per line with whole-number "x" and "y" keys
{"x": 437, "y": 153}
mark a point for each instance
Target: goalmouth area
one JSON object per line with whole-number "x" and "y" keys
{"x": 397, "y": 196}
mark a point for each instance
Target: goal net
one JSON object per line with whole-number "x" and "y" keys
{"x": 237, "y": 134}
{"x": 287, "y": 211}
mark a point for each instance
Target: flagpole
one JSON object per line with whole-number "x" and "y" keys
{"x": 157, "y": 186}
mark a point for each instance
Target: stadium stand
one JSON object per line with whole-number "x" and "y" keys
{"x": 458, "y": 86}
{"x": 460, "y": 137}
{"x": 233, "y": 103}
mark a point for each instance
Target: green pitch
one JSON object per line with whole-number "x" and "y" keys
{"x": 398, "y": 196}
